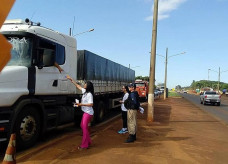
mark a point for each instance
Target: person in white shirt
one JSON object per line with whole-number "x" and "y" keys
{"x": 87, "y": 107}
{"x": 124, "y": 110}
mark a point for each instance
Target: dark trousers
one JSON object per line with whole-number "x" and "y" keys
{"x": 124, "y": 118}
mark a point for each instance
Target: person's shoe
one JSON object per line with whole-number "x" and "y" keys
{"x": 78, "y": 148}
{"x": 130, "y": 139}
{"x": 82, "y": 148}
{"x": 126, "y": 131}
{"x": 122, "y": 131}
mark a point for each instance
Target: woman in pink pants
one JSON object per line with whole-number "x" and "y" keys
{"x": 87, "y": 107}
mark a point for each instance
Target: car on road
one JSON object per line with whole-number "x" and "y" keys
{"x": 162, "y": 89}
{"x": 157, "y": 93}
{"x": 211, "y": 97}
{"x": 226, "y": 93}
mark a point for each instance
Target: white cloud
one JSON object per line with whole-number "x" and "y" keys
{"x": 165, "y": 7}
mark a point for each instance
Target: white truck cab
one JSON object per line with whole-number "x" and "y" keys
{"x": 30, "y": 80}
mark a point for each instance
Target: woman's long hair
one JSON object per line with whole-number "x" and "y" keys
{"x": 126, "y": 87}
{"x": 89, "y": 87}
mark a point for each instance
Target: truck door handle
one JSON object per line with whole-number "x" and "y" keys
{"x": 55, "y": 83}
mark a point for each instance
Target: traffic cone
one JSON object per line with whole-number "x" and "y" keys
{"x": 10, "y": 156}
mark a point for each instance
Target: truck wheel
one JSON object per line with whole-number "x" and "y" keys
{"x": 27, "y": 127}
{"x": 218, "y": 104}
{"x": 77, "y": 120}
{"x": 100, "y": 111}
{"x": 93, "y": 120}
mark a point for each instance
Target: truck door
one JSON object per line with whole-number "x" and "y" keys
{"x": 49, "y": 81}
{"x": 60, "y": 60}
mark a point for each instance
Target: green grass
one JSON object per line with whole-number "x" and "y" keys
{"x": 173, "y": 94}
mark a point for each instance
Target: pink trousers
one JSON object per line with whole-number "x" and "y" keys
{"x": 86, "y": 141}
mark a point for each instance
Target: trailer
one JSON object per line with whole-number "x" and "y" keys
{"x": 107, "y": 77}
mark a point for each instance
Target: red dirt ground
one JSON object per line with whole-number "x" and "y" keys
{"x": 181, "y": 133}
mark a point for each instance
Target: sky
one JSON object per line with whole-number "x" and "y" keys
{"x": 123, "y": 33}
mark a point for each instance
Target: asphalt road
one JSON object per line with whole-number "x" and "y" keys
{"x": 219, "y": 112}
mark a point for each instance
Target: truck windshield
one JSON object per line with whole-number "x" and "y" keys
{"x": 21, "y": 52}
{"x": 140, "y": 85}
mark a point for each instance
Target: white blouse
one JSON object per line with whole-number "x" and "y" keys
{"x": 87, "y": 98}
{"x": 124, "y": 98}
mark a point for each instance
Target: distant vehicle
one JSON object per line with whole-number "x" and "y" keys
{"x": 162, "y": 89}
{"x": 211, "y": 97}
{"x": 142, "y": 88}
{"x": 157, "y": 93}
{"x": 226, "y": 92}
{"x": 185, "y": 92}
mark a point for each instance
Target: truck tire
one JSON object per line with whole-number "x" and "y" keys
{"x": 93, "y": 120}
{"x": 218, "y": 104}
{"x": 27, "y": 127}
{"x": 77, "y": 120}
{"x": 100, "y": 112}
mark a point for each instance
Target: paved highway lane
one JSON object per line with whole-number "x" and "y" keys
{"x": 220, "y": 112}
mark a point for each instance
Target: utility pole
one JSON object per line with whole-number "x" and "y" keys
{"x": 166, "y": 62}
{"x": 219, "y": 73}
{"x": 150, "y": 114}
{"x": 208, "y": 74}
{"x": 218, "y": 78}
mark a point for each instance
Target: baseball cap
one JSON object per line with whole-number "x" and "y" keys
{"x": 132, "y": 85}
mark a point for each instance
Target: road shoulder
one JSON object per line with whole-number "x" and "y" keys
{"x": 180, "y": 133}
